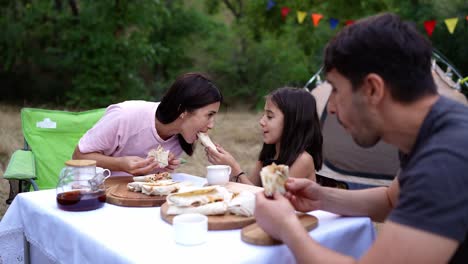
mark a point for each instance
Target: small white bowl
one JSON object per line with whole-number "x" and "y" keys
{"x": 190, "y": 229}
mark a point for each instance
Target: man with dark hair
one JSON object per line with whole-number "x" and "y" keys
{"x": 382, "y": 89}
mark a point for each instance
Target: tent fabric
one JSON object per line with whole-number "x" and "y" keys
{"x": 345, "y": 161}
{"x": 21, "y": 166}
{"x": 52, "y": 137}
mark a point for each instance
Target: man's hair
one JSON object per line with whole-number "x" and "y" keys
{"x": 387, "y": 46}
{"x": 189, "y": 92}
{"x": 301, "y": 128}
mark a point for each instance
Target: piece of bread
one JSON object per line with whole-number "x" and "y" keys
{"x": 274, "y": 178}
{"x": 206, "y": 141}
{"x": 210, "y": 200}
{"x": 153, "y": 177}
{"x": 160, "y": 155}
{"x": 242, "y": 204}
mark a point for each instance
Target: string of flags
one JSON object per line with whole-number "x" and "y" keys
{"x": 429, "y": 25}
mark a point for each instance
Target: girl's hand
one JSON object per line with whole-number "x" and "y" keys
{"x": 222, "y": 157}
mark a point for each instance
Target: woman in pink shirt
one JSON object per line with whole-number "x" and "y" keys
{"x": 121, "y": 140}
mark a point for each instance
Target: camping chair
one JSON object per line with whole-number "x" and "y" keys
{"x": 50, "y": 137}
{"x": 346, "y": 165}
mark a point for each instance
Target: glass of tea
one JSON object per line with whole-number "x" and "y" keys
{"x": 79, "y": 187}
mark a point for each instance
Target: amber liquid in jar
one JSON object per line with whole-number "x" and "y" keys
{"x": 79, "y": 200}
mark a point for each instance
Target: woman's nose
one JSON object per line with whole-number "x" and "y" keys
{"x": 210, "y": 124}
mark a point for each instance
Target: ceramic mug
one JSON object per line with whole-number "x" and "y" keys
{"x": 218, "y": 174}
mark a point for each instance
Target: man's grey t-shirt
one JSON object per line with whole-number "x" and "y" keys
{"x": 434, "y": 177}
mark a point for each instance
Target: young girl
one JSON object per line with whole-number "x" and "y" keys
{"x": 291, "y": 136}
{"x": 121, "y": 140}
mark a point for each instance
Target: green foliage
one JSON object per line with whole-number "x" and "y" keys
{"x": 108, "y": 51}
{"x": 104, "y": 53}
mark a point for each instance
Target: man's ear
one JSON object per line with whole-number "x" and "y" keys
{"x": 374, "y": 87}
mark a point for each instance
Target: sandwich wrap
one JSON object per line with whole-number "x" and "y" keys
{"x": 274, "y": 178}
{"x": 160, "y": 155}
{"x": 206, "y": 141}
{"x": 243, "y": 204}
{"x": 210, "y": 200}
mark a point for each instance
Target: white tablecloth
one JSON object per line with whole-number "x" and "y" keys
{"x": 114, "y": 234}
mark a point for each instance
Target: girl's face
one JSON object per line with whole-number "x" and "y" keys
{"x": 272, "y": 123}
{"x": 200, "y": 120}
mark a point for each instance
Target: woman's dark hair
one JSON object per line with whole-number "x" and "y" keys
{"x": 301, "y": 131}
{"x": 385, "y": 45}
{"x": 189, "y": 92}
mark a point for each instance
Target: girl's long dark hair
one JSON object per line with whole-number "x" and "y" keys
{"x": 189, "y": 92}
{"x": 301, "y": 131}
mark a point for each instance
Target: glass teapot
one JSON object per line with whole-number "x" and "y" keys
{"x": 81, "y": 186}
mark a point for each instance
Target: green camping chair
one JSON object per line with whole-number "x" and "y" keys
{"x": 50, "y": 137}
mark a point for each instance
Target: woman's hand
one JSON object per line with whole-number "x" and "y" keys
{"x": 137, "y": 165}
{"x": 173, "y": 163}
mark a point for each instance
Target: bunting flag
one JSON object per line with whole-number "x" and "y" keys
{"x": 270, "y": 5}
{"x": 451, "y": 24}
{"x": 316, "y": 18}
{"x": 333, "y": 23}
{"x": 284, "y": 11}
{"x": 429, "y": 25}
{"x": 301, "y": 16}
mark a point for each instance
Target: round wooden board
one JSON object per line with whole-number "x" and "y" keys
{"x": 215, "y": 222}
{"x": 117, "y": 193}
{"x": 254, "y": 234}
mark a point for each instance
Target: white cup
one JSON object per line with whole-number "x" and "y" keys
{"x": 190, "y": 229}
{"x": 218, "y": 174}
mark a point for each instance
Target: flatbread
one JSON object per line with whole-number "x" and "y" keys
{"x": 243, "y": 204}
{"x": 206, "y": 141}
{"x": 153, "y": 177}
{"x": 274, "y": 178}
{"x": 151, "y": 189}
{"x": 135, "y": 186}
{"x": 200, "y": 196}
{"x": 217, "y": 208}
{"x": 160, "y": 155}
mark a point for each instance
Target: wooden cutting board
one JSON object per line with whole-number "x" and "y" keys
{"x": 117, "y": 193}
{"x": 254, "y": 234}
{"x": 215, "y": 222}
{"x": 222, "y": 222}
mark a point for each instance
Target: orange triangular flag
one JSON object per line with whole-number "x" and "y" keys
{"x": 301, "y": 16}
{"x": 316, "y": 18}
{"x": 451, "y": 24}
{"x": 429, "y": 25}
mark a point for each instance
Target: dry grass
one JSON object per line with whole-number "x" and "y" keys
{"x": 237, "y": 131}
{"x": 11, "y": 139}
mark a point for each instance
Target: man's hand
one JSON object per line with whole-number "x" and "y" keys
{"x": 304, "y": 194}
{"x": 276, "y": 216}
{"x": 138, "y": 166}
